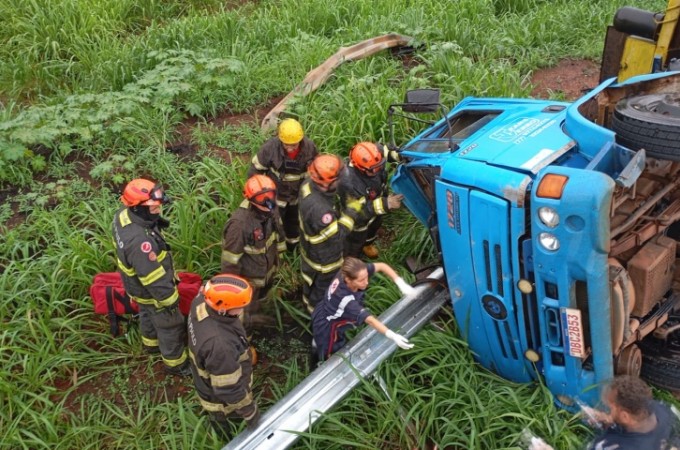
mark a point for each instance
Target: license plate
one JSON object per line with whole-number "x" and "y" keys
{"x": 572, "y": 330}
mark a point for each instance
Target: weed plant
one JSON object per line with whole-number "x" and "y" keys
{"x": 91, "y": 94}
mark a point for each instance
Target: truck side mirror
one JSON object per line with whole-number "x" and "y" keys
{"x": 421, "y": 101}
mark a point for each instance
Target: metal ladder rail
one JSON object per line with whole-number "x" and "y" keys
{"x": 328, "y": 384}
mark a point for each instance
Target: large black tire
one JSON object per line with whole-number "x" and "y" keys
{"x": 661, "y": 362}
{"x": 651, "y": 122}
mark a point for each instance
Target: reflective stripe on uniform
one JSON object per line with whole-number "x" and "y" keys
{"x": 257, "y": 164}
{"x": 129, "y": 271}
{"x": 124, "y": 218}
{"x": 249, "y": 249}
{"x": 347, "y": 221}
{"x": 378, "y": 206}
{"x": 323, "y": 268}
{"x": 232, "y": 258}
{"x": 228, "y": 379}
{"x": 201, "y": 372}
{"x": 153, "y": 276}
{"x": 158, "y": 304}
{"x": 149, "y": 342}
{"x": 326, "y": 233}
{"x": 293, "y": 177}
{"x": 228, "y": 408}
{"x": 175, "y": 362}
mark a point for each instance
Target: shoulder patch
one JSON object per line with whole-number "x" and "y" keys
{"x": 152, "y": 256}
{"x": 146, "y": 246}
{"x": 201, "y": 312}
{"x": 327, "y": 218}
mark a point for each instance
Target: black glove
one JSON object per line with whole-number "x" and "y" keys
{"x": 254, "y": 420}
{"x": 162, "y": 223}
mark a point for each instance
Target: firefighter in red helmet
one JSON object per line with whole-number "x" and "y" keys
{"x": 221, "y": 360}
{"x": 366, "y": 177}
{"x": 323, "y": 227}
{"x": 252, "y": 240}
{"x": 284, "y": 158}
{"x": 146, "y": 266}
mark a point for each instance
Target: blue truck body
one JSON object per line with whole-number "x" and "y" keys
{"x": 531, "y": 299}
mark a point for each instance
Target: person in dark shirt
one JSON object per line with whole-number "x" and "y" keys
{"x": 343, "y": 307}
{"x": 635, "y": 421}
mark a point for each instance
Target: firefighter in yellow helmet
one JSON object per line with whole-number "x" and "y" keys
{"x": 366, "y": 177}
{"x": 252, "y": 240}
{"x": 284, "y": 158}
{"x": 145, "y": 263}
{"x": 323, "y": 227}
{"x": 221, "y": 360}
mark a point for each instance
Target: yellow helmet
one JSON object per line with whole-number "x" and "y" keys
{"x": 290, "y": 132}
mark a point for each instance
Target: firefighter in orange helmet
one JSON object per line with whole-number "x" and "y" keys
{"x": 366, "y": 177}
{"x": 284, "y": 158}
{"x": 323, "y": 228}
{"x": 146, "y": 266}
{"x": 252, "y": 240}
{"x": 221, "y": 360}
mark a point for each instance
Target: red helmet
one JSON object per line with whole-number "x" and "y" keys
{"x": 225, "y": 291}
{"x": 143, "y": 192}
{"x": 261, "y": 190}
{"x": 325, "y": 169}
{"x": 366, "y": 157}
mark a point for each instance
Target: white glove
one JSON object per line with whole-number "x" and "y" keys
{"x": 539, "y": 444}
{"x": 405, "y": 288}
{"x": 398, "y": 339}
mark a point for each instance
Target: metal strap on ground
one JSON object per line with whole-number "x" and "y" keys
{"x": 329, "y": 383}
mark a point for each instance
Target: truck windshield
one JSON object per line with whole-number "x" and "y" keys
{"x": 463, "y": 125}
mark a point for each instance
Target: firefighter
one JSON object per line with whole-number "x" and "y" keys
{"x": 252, "y": 240}
{"x": 366, "y": 177}
{"x": 343, "y": 307}
{"x": 145, "y": 263}
{"x": 323, "y": 228}
{"x": 285, "y": 158}
{"x": 221, "y": 360}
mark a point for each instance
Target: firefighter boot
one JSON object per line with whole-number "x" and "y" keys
{"x": 183, "y": 370}
{"x": 371, "y": 251}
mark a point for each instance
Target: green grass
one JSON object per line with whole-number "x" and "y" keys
{"x": 96, "y": 89}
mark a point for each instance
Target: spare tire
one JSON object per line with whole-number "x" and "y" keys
{"x": 651, "y": 122}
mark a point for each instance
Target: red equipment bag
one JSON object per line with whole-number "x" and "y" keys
{"x": 110, "y": 299}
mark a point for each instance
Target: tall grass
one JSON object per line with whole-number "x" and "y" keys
{"x": 88, "y": 85}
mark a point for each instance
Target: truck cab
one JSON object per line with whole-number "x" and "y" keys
{"x": 555, "y": 223}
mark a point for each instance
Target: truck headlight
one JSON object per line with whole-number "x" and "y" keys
{"x": 548, "y": 216}
{"x": 549, "y": 241}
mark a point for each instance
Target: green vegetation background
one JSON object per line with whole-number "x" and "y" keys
{"x": 91, "y": 94}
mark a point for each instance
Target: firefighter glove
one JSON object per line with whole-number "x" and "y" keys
{"x": 394, "y": 201}
{"x": 405, "y": 288}
{"x": 398, "y": 339}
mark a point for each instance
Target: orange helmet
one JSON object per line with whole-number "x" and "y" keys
{"x": 225, "y": 291}
{"x": 261, "y": 190}
{"x": 325, "y": 169}
{"x": 366, "y": 157}
{"x": 143, "y": 192}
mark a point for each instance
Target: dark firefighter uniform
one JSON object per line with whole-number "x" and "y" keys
{"x": 145, "y": 264}
{"x": 323, "y": 231}
{"x": 251, "y": 243}
{"x": 288, "y": 173}
{"x": 355, "y": 184}
{"x": 340, "y": 310}
{"x": 221, "y": 363}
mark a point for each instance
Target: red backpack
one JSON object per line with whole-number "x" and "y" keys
{"x": 110, "y": 299}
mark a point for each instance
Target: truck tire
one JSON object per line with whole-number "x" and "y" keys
{"x": 651, "y": 122}
{"x": 661, "y": 362}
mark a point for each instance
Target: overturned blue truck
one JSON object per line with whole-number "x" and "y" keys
{"x": 557, "y": 225}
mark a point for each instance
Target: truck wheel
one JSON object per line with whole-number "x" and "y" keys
{"x": 651, "y": 122}
{"x": 661, "y": 362}
{"x": 629, "y": 361}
